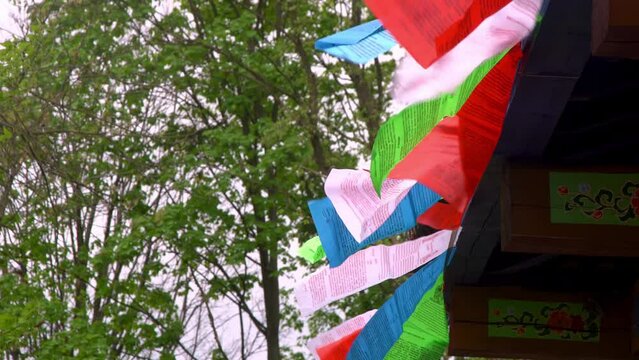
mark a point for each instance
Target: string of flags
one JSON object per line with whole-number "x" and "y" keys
{"x": 453, "y": 89}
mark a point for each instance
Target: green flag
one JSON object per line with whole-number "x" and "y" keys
{"x": 404, "y": 130}
{"x": 425, "y": 333}
{"x": 312, "y": 250}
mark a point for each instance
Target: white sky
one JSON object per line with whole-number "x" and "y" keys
{"x": 7, "y": 25}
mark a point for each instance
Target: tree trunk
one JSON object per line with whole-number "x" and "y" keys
{"x": 271, "y": 289}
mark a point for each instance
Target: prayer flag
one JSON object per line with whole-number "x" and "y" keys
{"x": 359, "y": 44}
{"x": 337, "y": 241}
{"x": 429, "y": 29}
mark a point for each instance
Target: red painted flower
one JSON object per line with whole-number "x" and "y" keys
{"x": 497, "y": 312}
{"x": 521, "y": 330}
{"x": 577, "y": 323}
{"x": 597, "y": 214}
{"x": 559, "y": 321}
{"x": 635, "y": 202}
{"x": 562, "y": 190}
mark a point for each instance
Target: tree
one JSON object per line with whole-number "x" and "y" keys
{"x": 156, "y": 167}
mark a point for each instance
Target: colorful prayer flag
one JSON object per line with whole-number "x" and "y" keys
{"x": 386, "y": 326}
{"x": 429, "y": 29}
{"x": 335, "y": 343}
{"x": 312, "y": 250}
{"x": 352, "y": 194}
{"x": 366, "y": 268}
{"x": 453, "y": 157}
{"x": 425, "y": 332}
{"x": 337, "y": 241}
{"x": 359, "y": 44}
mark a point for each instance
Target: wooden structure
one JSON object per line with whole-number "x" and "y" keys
{"x": 615, "y": 30}
{"x": 575, "y": 211}
{"x": 521, "y": 323}
{"x": 531, "y": 240}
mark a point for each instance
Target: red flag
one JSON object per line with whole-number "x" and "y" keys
{"x": 429, "y": 28}
{"x": 453, "y": 157}
{"x": 339, "y": 349}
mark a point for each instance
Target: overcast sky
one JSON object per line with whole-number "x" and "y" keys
{"x": 7, "y": 25}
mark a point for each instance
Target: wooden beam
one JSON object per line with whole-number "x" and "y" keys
{"x": 554, "y": 59}
{"x": 615, "y": 26}
{"x": 553, "y": 63}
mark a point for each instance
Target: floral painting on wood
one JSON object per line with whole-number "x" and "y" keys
{"x": 544, "y": 320}
{"x": 594, "y": 198}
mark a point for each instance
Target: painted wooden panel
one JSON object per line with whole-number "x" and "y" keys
{"x": 563, "y": 321}
{"x": 570, "y": 210}
{"x": 474, "y": 321}
{"x": 594, "y": 198}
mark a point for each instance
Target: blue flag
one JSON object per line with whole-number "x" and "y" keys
{"x": 359, "y": 44}
{"x": 337, "y": 241}
{"x": 386, "y": 326}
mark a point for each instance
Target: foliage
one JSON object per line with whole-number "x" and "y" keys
{"x": 156, "y": 164}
